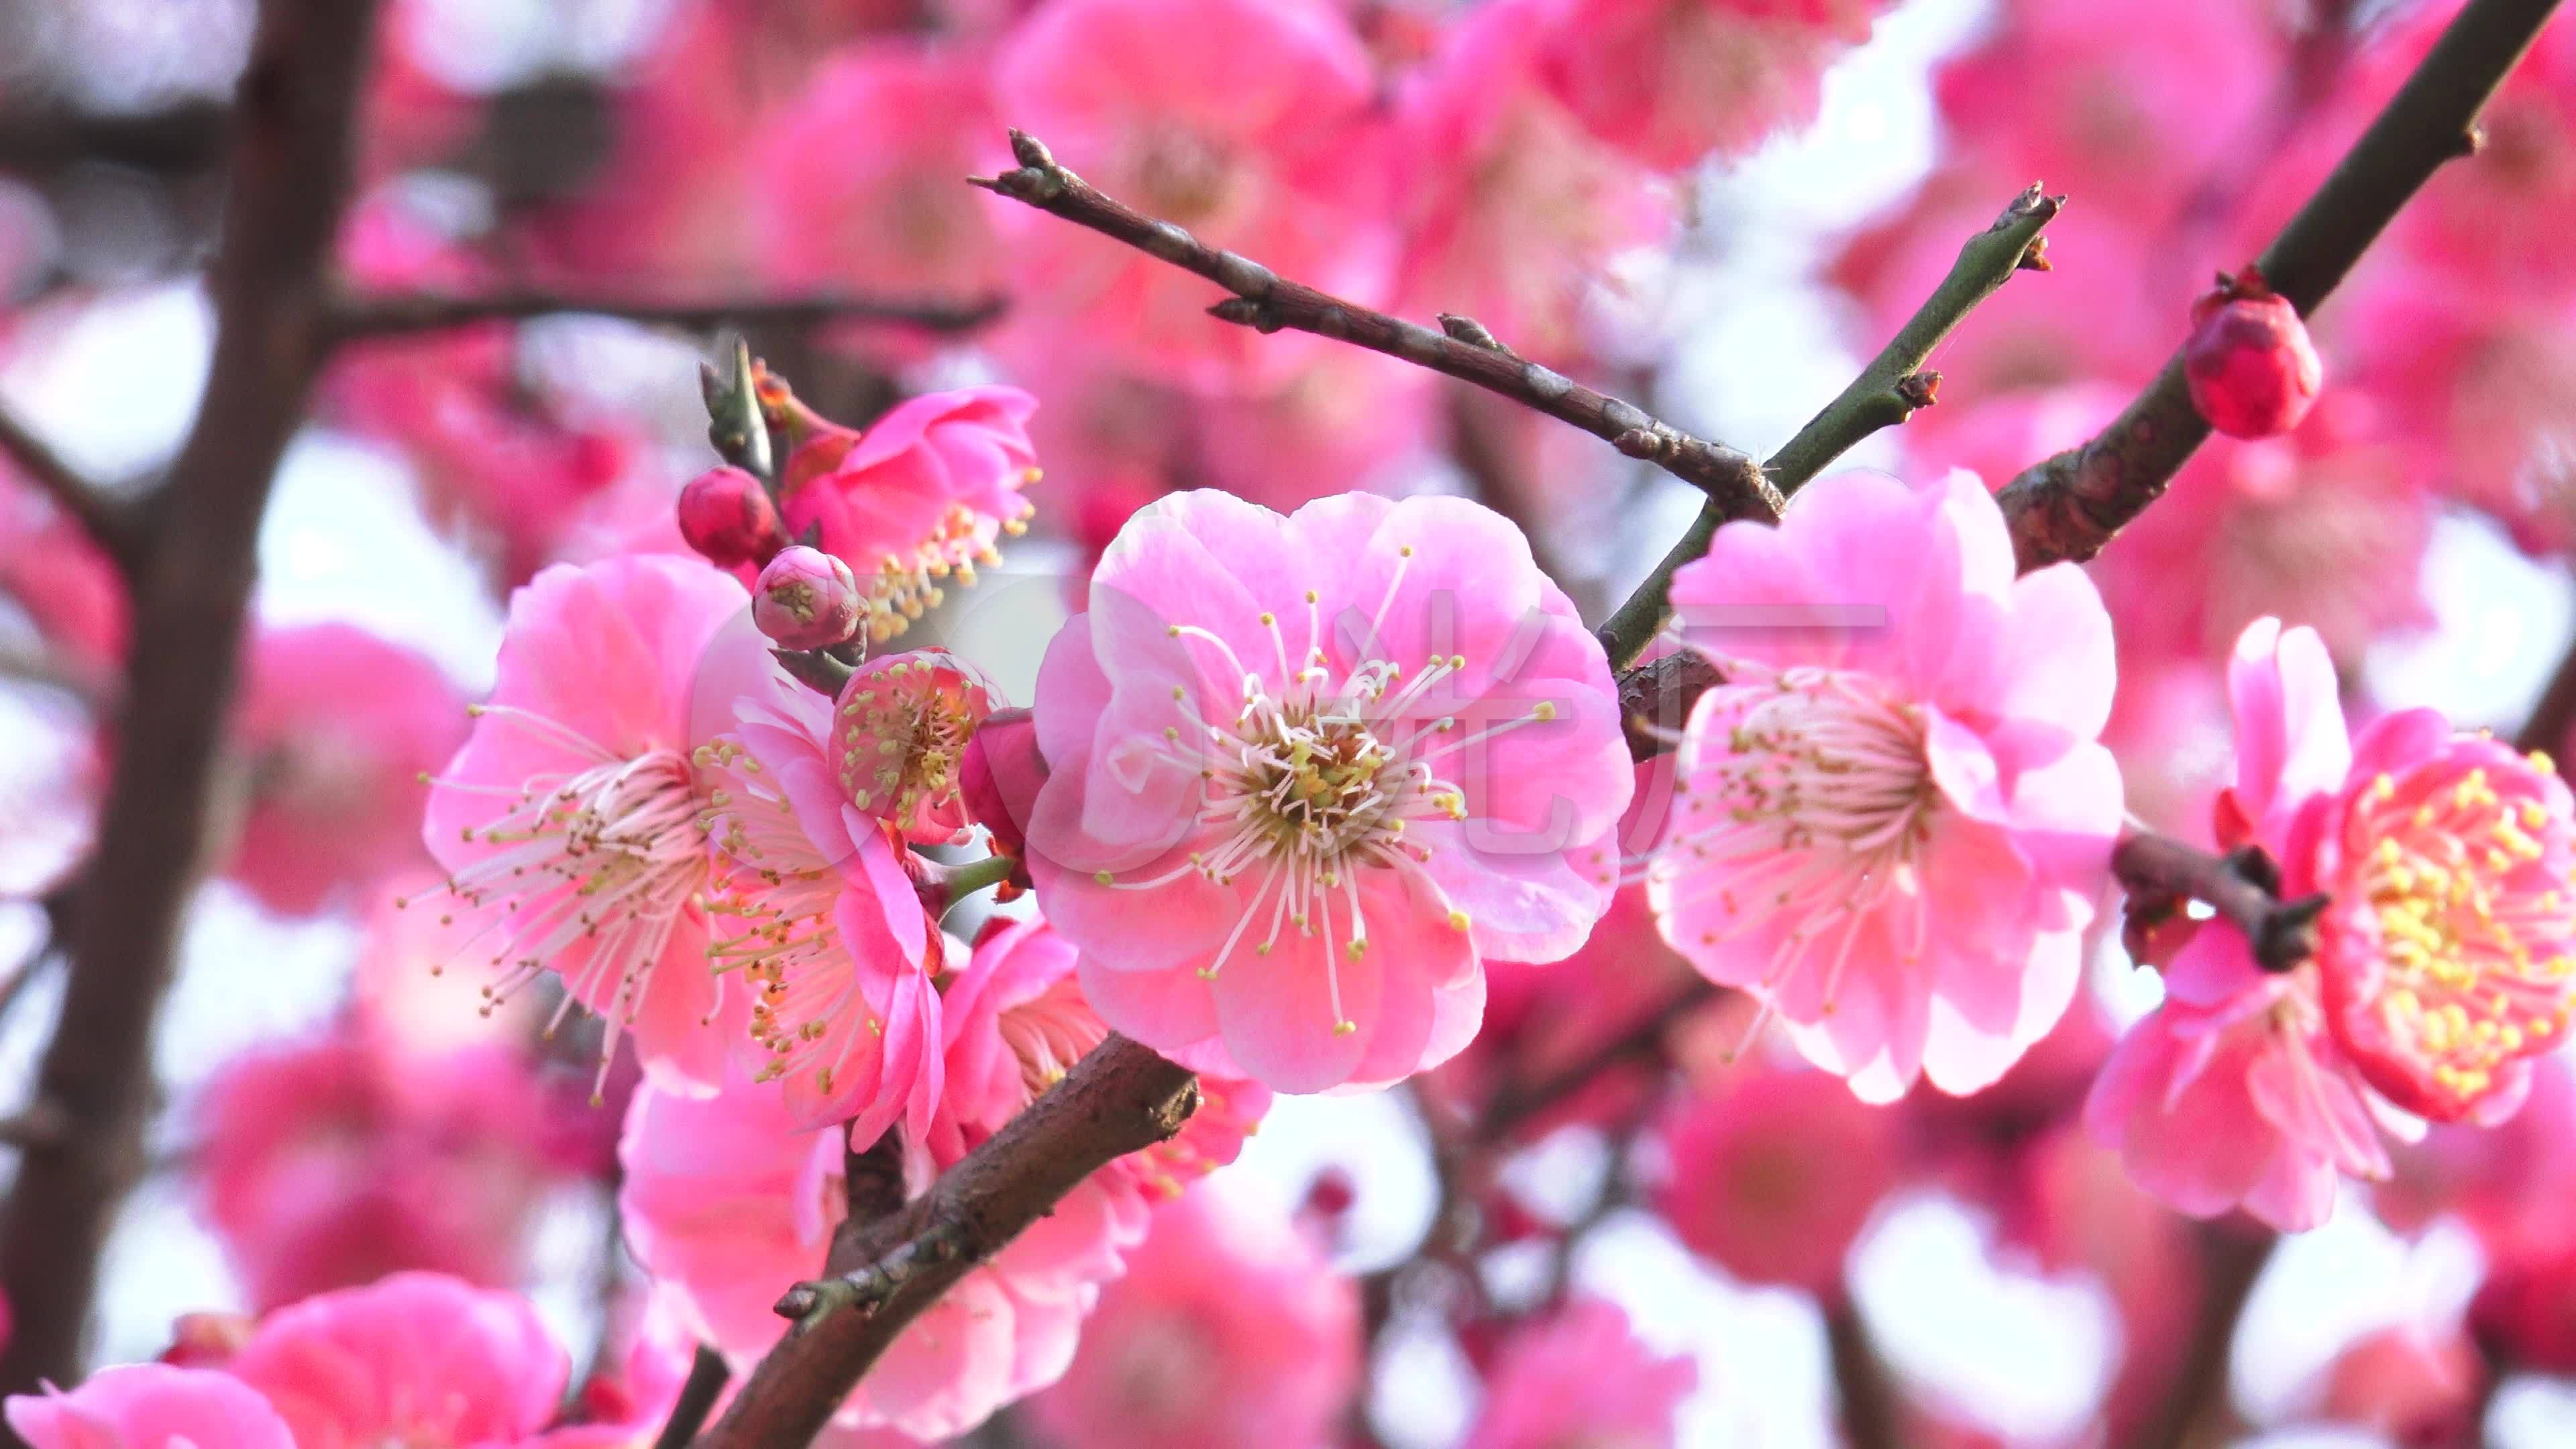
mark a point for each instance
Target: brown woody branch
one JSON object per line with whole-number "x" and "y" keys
{"x": 1267, "y": 302}
{"x": 289, "y": 168}
{"x": 1119, "y": 1099}
{"x": 2242, "y": 886}
{"x": 2070, "y": 505}
{"x": 110, "y": 524}
{"x": 399, "y": 316}
{"x": 181, "y": 140}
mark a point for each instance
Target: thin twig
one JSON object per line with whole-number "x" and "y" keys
{"x": 1267, "y": 302}
{"x": 1655, "y": 699}
{"x": 397, "y": 316}
{"x": 1118, "y": 1099}
{"x": 109, "y": 523}
{"x": 1865, "y": 1399}
{"x": 1514, "y": 1106}
{"x": 2242, "y": 886}
{"x": 2232, "y": 1261}
{"x": 708, "y": 1375}
{"x": 1894, "y": 386}
{"x": 2550, "y": 720}
{"x": 2070, "y": 505}
{"x": 1888, "y": 391}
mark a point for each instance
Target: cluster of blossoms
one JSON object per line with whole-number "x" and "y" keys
{"x": 1324, "y": 785}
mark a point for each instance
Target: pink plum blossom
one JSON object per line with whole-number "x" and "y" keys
{"x": 1306, "y": 772}
{"x": 571, "y": 823}
{"x": 1580, "y": 1376}
{"x": 1248, "y": 122}
{"x": 337, "y": 728}
{"x": 333, "y": 1163}
{"x": 149, "y": 1406}
{"x": 888, "y": 216}
{"x": 920, "y": 496}
{"x": 1897, "y": 817}
{"x": 2234, "y": 1092}
{"x": 817, "y": 913}
{"x": 1229, "y": 1328}
{"x": 1668, "y": 81}
{"x": 1513, "y": 210}
{"x": 902, "y": 726}
{"x": 1774, "y": 1175}
{"x": 418, "y": 1359}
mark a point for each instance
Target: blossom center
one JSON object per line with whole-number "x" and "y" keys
{"x": 1313, "y": 780}
{"x": 605, "y": 856}
{"x": 1809, "y": 802}
{"x": 2465, "y": 884}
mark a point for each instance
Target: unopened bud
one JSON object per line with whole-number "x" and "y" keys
{"x": 806, "y": 599}
{"x": 2253, "y": 372}
{"x": 727, "y": 517}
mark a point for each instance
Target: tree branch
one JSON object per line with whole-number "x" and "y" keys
{"x": 2232, "y": 1261}
{"x": 109, "y": 523}
{"x": 2242, "y": 886}
{"x": 1888, "y": 391}
{"x": 1515, "y": 1105}
{"x": 708, "y": 1375}
{"x": 2550, "y": 720}
{"x": 399, "y": 316}
{"x": 289, "y": 168}
{"x": 1267, "y": 302}
{"x": 1894, "y": 386}
{"x": 2070, "y": 505}
{"x": 182, "y": 140}
{"x": 1119, "y": 1099}
{"x": 1865, "y": 1400}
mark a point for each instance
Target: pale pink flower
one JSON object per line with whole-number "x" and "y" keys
{"x": 50, "y": 567}
{"x": 404, "y": 995}
{"x": 2421, "y": 1386}
{"x": 727, "y": 1200}
{"x": 571, "y": 822}
{"x": 1229, "y": 1328}
{"x": 337, "y": 730}
{"x": 1774, "y": 1175}
{"x": 418, "y": 1359}
{"x": 816, "y": 910}
{"x": 889, "y": 215}
{"x": 328, "y": 1164}
{"x": 921, "y": 496}
{"x": 2233, "y": 1092}
{"x": 1898, "y": 818}
{"x": 1581, "y": 1376}
{"x": 1513, "y": 209}
{"x": 150, "y": 1406}
{"x": 1668, "y": 81}
{"x": 1248, "y": 122}
{"x": 1305, "y": 772}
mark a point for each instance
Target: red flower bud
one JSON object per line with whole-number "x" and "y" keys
{"x": 727, "y": 517}
{"x": 2252, "y": 370}
{"x": 806, "y": 599}
{"x": 1000, "y": 775}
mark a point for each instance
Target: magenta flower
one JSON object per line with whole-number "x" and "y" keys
{"x": 2233, "y": 1092}
{"x": 1229, "y": 1328}
{"x": 571, "y": 822}
{"x": 919, "y": 497}
{"x": 335, "y": 729}
{"x": 817, "y": 912}
{"x": 1774, "y": 1176}
{"x": 416, "y": 1359}
{"x": 901, "y": 728}
{"x": 2449, "y": 959}
{"x": 2445, "y": 965}
{"x": 150, "y": 1404}
{"x": 1896, "y": 818}
{"x": 1305, "y": 772}
{"x": 1249, "y": 122}
{"x": 1668, "y": 81}
{"x": 1581, "y": 1376}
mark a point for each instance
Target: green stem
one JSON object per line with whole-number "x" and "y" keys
{"x": 1887, "y": 392}
{"x": 964, "y": 880}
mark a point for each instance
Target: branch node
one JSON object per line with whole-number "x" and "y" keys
{"x": 1918, "y": 390}
{"x": 1473, "y": 333}
{"x": 1243, "y": 276}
